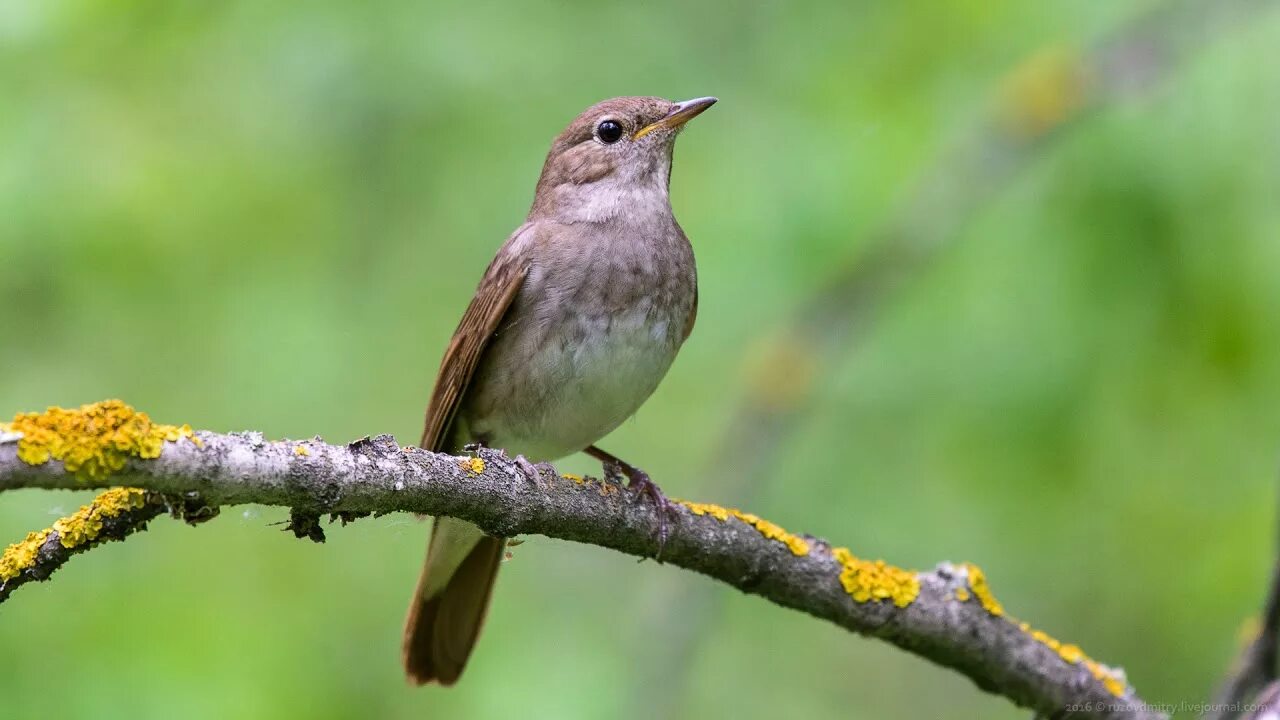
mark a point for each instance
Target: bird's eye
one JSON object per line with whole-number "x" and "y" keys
{"x": 609, "y": 132}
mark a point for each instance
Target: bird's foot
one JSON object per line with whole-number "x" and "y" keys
{"x": 533, "y": 471}
{"x": 642, "y": 487}
{"x": 613, "y": 471}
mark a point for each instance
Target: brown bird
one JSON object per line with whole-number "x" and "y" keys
{"x": 573, "y": 326}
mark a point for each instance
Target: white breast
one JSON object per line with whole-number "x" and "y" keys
{"x": 589, "y": 387}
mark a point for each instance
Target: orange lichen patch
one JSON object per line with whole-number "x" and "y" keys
{"x": 1043, "y": 92}
{"x": 95, "y": 440}
{"x": 576, "y": 478}
{"x": 796, "y": 544}
{"x": 962, "y": 594}
{"x": 79, "y": 528}
{"x": 301, "y": 450}
{"x": 867, "y": 580}
{"x": 473, "y": 464}
{"x": 982, "y": 591}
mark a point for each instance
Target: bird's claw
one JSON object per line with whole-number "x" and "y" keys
{"x": 529, "y": 469}
{"x": 534, "y": 471}
{"x": 642, "y": 487}
{"x": 614, "y": 472}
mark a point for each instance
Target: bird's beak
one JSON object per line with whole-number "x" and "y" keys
{"x": 682, "y": 113}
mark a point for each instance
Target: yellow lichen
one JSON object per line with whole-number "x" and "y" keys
{"x": 1108, "y": 677}
{"x": 472, "y": 464}
{"x": 82, "y": 526}
{"x": 962, "y": 594}
{"x": 21, "y": 555}
{"x": 1071, "y": 654}
{"x": 796, "y": 544}
{"x": 301, "y": 450}
{"x": 95, "y": 440}
{"x": 982, "y": 591}
{"x": 604, "y": 486}
{"x": 715, "y": 511}
{"x": 867, "y": 580}
{"x": 864, "y": 580}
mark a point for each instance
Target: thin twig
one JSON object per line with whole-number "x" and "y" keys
{"x": 48, "y": 550}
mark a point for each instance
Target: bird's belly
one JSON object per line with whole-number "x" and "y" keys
{"x": 581, "y": 381}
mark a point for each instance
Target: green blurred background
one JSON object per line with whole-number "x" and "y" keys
{"x": 269, "y": 216}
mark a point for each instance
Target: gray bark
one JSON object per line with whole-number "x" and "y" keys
{"x": 379, "y": 476}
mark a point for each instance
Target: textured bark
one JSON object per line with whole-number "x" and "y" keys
{"x": 376, "y": 475}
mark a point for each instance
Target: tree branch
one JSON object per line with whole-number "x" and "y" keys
{"x": 113, "y": 515}
{"x": 1037, "y": 103}
{"x": 946, "y": 615}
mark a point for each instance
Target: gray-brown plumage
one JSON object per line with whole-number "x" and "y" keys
{"x": 573, "y": 326}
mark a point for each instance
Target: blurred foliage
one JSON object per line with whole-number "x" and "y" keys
{"x": 270, "y": 216}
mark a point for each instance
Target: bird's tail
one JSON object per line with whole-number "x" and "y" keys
{"x": 450, "y": 603}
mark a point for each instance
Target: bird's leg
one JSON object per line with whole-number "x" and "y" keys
{"x": 612, "y": 471}
{"x": 642, "y": 486}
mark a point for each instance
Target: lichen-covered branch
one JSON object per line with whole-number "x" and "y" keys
{"x": 947, "y": 615}
{"x": 1039, "y": 102}
{"x": 113, "y": 515}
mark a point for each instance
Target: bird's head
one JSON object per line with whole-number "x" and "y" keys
{"x": 615, "y": 154}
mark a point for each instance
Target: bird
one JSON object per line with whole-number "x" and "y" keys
{"x": 573, "y": 325}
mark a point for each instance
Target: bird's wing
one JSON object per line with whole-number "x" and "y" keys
{"x": 693, "y": 316}
{"x": 493, "y": 297}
